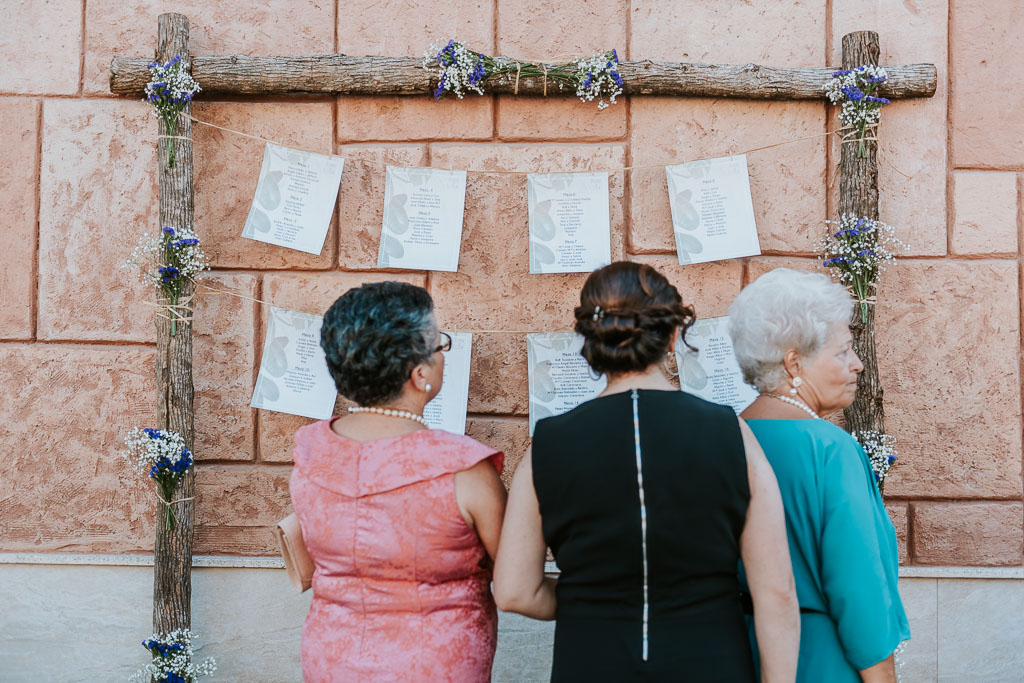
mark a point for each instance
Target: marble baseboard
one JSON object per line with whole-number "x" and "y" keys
{"x": 96, "y": 614}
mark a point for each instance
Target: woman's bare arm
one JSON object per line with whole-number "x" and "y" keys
{"x": 481, "y": 499}
{"x": 765, "y": 553}
{"x": 519, "y": 581}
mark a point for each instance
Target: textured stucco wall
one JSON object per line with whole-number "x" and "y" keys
{"x": 77, "y": 183}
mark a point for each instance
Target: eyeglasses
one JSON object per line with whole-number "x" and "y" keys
{"x": 445, "y": 345}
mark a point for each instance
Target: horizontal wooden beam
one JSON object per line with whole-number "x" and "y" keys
{"x": 343, "y": 75}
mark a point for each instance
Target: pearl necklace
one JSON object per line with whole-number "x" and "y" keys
{"x": 799, "y": 404}
{"x": 390, "y": 412}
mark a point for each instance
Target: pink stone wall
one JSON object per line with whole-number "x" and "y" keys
{"x": 77, "y": 181}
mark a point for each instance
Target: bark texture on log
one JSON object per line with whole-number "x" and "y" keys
{"x": 343, "y": 75}
{"x": 172, "y": 575}
{"x": 858, "y": 195}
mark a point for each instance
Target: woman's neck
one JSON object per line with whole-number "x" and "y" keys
{"x": 651, "y": 378}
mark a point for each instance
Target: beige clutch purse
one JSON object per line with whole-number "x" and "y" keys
{"x": 296, "y": 558}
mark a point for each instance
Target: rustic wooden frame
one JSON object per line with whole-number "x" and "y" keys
{"x": 343, "y": 75}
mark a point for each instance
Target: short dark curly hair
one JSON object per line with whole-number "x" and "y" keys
{"x": 374, "y": 336}
{"x": 639, "y": 310}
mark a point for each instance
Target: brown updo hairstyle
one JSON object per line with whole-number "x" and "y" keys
{"x": 632, "y": 329}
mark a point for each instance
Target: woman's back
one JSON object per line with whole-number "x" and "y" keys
{"x": 695, "y": 496}
{"x": 842, "y": 545}
{"x": 401, "y": 589}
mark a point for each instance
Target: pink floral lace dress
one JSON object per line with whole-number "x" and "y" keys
{"x": 401, "y": 590}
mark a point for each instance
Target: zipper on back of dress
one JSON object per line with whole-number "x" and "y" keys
{"x": 634, "y": 394}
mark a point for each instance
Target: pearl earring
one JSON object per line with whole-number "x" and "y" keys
{"x": 796, "y": 383}
{"x": 429, "y": 388}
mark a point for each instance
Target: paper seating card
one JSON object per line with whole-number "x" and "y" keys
{"x": 295, "y": 198}
{"x": 711, "y": 371}
{"x": 569, "y": 222}
{"x": 293, "y": 375}
{"x": 448, "y": 409}
{"x": 712, "y": 214}
{"x": 423, "y": 211}
{"x": 560, "y": 378}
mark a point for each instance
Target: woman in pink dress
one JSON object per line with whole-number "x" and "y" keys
{"x": 402, "y": 521}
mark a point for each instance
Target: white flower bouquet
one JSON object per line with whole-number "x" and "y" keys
{"x": 881, "y": 450}
{"x": 167, "y": 261}
{"x": 460, "y": 70}
{"x": 161, "y": 454}
{"x": 853, "y": 88}
{"x": 173, "y": 659}
{"x": 857, "y": 254}
{"x": 170, "y": 89}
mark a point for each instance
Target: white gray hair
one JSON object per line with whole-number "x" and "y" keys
{"x": 783, "y": 309}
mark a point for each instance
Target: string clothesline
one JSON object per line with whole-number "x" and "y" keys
{"x": 844, "y": 133}
{"x": 454, "y": 328}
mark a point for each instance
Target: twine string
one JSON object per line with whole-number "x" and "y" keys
{"x": 635, "y": 167}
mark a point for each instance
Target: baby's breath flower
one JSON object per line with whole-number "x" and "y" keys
{"x": 173, "y": 659}
{"x": 881, "y": 450}
{"x": 167, "y": 261}
{"x": 461, "y": 70}
{"x": 853, "y": 88}
{"x": 170, "y": 89}
{"x": 597, "y": 76}
{"x": 162, "y": 455}
{"x": 856, "y": 250}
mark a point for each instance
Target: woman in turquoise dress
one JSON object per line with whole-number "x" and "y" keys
{"x": 791, "y": 335}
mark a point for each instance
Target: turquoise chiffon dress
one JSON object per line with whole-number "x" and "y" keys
{"x": 843, "y": 548}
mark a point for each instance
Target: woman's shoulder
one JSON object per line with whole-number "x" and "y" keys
{"x": 461, "y": 451}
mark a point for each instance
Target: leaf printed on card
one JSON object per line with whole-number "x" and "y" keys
{"x": 397, "y": 218}
{"x": 699, "y": 169}
{"x": 688, "y": 217}
{"x": 266, "y": 391}
{"x": 540, "y": 255}
{"x": 542, "y": 387}
{"x": 691, "y": 372}
{"x": 687, "y": 246}
{"x": 259, "y": 221}
{"x": 268, "y": 194}
{"x": 543, "y": 226}
{"x": 275, "y": 362}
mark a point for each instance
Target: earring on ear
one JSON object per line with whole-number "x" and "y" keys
{"x": 428, "y": 388}
{"x": 796, "y": 383}
{"x": 664, "y": 364}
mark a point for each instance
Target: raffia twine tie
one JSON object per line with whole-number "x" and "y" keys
{"x": 851, "y": 134}
{"x": 169, "y": 503}
{"x": 519, "y": 67}
{"x": 172, "y": 310}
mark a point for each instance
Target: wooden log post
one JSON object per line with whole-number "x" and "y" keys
{"x": 172, "y": 575}
{"x": 344, "y": 75}
{"x": 858, "y": 196}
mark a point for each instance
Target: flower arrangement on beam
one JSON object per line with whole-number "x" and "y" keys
{"x": 161, "y": 454}
{"x": 170, "y": 89}
{"x": 856, "y": 254}
{"x": 168, "y": 261}
{"x": 861, "y": 109}
{"x": 173, "y": 659}
{"x": 881, "y": 451}
{"x": 461, "y": 70}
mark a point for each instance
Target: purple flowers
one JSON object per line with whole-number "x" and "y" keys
{"x": 854, "y": 93}
{"x": 854, "y": 90}
{"x": 169, "y": 90}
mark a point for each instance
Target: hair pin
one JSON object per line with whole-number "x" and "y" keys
{"x": 598, "y": 313}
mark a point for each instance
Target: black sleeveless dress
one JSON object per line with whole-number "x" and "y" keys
{"x": 648, "y": 588}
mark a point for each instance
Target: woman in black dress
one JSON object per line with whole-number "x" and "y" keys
{"x": 648, "y": 497}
